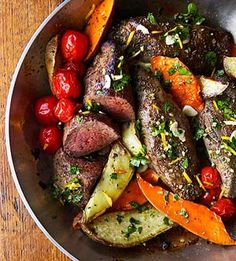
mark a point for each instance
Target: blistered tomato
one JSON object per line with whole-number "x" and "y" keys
{"x": 65, "y": 109}
{"x": 44, "y": 110}
{"x": 66, "y": 85}
{"x": 50, "y": 139}
{"x": 74, "y": 46}
{"x": 225, "y": 208}
{"x": 210, "y": 178}
{"x": 210, "y": 196}
{"x": 78, "y": 68}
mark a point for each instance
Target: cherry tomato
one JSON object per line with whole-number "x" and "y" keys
{"x": 74, "y": 46}
{"x": 66, "y": 85}
{"x": 210, "y": 196}
{"x": 50, "y": 139}
{"x": 225, "y": 208}
{"x": 65, "y": 110}
{"x": 210, "y": 178}
{"x": 78, "y": 68}
{"x": 44, "y": 110}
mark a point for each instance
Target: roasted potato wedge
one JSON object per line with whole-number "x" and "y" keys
{"x": 115, "y": 177}
{"x": 130, "y": 138}
{"x": 230, "y": 66}
{"x": 127, "y": 228}
{"x": 53, "y": 58}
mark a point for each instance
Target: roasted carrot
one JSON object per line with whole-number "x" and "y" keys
{"x": 131, "y": 194}
{"x": 196, "y": 218}
{"x": 150, "y": 176}
{"x": 185, "y": 87}
{"x": 97, "y": 25}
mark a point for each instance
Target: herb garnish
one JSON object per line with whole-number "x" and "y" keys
{"x": 211, "y": 58}
{"x": 151, "y": 18}
{"x": 119, "y": 218}
{"x": 220, "y": 73}
{"x": 139, "y": 207}
{"x": 158, "y": 130}
{"x": 180, "y": 69}
{"x": 216, "y": 124}
{"x": 167, "y": 221}
{"x": 132, "y": 227}
{"x": 120, "y": 84}
{"x": 99, "y": 92}
{"x": 191, "y": 16}
{"x": 176, "y": 197}
{"x": 91, "y": 105}
{"x": 113, "y": 176}
{"x": 184, "y": 163}
{"x": 166, "y": 107}
{"x": 74, "y": 170}
{"x": 166, "y": 196}
{"x": 139, "y": 160}
{"x": 184, "y": 213}
{"x": 224, "y": 106}
{"x": 79, "y": 119}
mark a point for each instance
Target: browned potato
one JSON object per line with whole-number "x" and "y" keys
{"x": 230, "y": 66}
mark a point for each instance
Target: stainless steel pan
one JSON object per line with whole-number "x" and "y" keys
{"x": 30, "y": 82}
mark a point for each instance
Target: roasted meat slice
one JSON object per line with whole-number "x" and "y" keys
{"x": 75, "y": 177}
{"x": 166, "y": 134}
{"x": 218, "y": 120}
{"x": 201, "y": 48}
{"x": 87, "y": 133}
{"x": 108, "y": 83}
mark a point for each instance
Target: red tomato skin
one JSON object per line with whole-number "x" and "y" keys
{"x": 210, "y": 196}
{"x": 210, "y": 178}
{"x": 44, "y": 110}
{"x": 65, "y": 110}
{"x": 50, "y": 139}
{"x": 78, "y": 68}
{"x": 74, "y": 46}
{"x": 225, "y": 208}
{"x": 66, "y": 85}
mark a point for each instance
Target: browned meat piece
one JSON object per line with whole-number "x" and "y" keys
{"x": 76, "y": 177}
{"x": 218, "y": 122}
{"x": 167, "y": 136}
{"x": 85, "y": 134}
{"x": 107, "y": 82}
{"x": 200, "y": 45}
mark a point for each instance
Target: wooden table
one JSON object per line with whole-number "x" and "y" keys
{"x": 20, "y": 238}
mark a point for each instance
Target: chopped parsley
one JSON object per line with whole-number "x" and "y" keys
{"x": 121, "y": 84}
{"x": 167, "y": 221}
{"x": 113, "y": 176}
{"x": 91, "y": 105}
{"x": 79, "y": 119}
{"x": 56, "y": 192}
{"x": 119, "y": 218}
{"x": 219, "y": 73}
{"x": 158, "y": 130}
{"x": 151, "y": 18}
{"x": 139, "y": 160}
{"x": 132, "y": 228}
{"x": 183, "y": 213}
{"x": 191, "y": 16}
{"x": 211, "y": 58}
{"x": 224, "y": 106}
{"x": 134, "y": 221}
{"x": 184, "y": 163}
{"x": 171, "y": 153}
{"x": 166, "y": 84}
{"x": 176, "y": 197}
{"x": 180, "y": 69}
{"x": 99, "y": 92}
{"x": 166, "y": 196}
{"x": 140, "y": 229}
{"x": 74, "y": 170}
{"x": 184, "y": 71}
{"x": 137, "y": 206}
{"x": 166, "y": 107}
{"x": 216, "y": 125}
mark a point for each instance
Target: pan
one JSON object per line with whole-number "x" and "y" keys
{"x": 30, "y": 82}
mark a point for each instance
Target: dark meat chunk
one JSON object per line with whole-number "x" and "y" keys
{"x": 218, "y": 121}
{"x": 114, "y": 95}
{"x": 76, "y": 177}
{"x": 199, "y": 46}
{"x": 166, "y": 134}
{"x": 87, "y": 133}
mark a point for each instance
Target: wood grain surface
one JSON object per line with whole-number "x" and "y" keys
{"x": 20, "y": 238}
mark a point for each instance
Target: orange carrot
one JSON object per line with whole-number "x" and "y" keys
{"x": 131, "y": 193}
{"x": 150, "y": 176}
{"x": 196, "y": 218}
{"x": 98, "y": 24}
{"x": 185, "y": 87}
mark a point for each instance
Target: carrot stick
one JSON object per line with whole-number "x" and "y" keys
{"x": 132, "y": 193}
{"x": 185, "y": 87}
{"x": 98, "y": 24}
{"x": 196, "y": 218}
{"x": 150, "y": 176}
